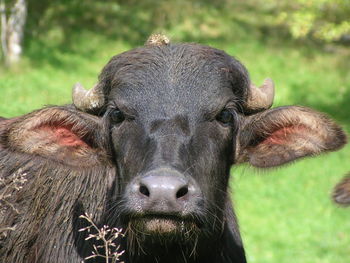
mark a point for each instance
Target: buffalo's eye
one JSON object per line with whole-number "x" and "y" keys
{"x": 117, "y": 116}
{"x": 225, "y": 117}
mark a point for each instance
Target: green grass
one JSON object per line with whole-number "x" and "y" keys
{"x": 47, "y": 74}
{"x": 285, "y": 214}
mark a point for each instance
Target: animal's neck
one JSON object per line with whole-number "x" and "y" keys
{"x": 174, "y": 256}
{"x": 184, "y": 253}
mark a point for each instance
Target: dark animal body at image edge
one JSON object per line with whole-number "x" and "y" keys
{"x": 147, "y": 150}
{"x": 341, "y": 192}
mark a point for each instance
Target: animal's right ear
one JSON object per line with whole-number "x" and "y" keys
{"x": 341, "y": 192}
{"x": 59, "y": 134}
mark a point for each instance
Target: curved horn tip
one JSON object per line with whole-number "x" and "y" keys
{"x": 260, "y": 98}
{"x": 157, "y": 40}
{"x": 78, "y": 87}
{"x": 269, "y": 89}
{"x": 87, "y": 100}
{"x": 78, "y": 84}
{"x": 269, "y": 82}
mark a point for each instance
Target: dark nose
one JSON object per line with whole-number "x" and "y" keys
{"x": 165, "y": 191}
{"x": 163, "y": 187}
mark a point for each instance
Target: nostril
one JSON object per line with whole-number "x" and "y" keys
{"x": 144, "y": 190}
{"x": 182, "y": 192}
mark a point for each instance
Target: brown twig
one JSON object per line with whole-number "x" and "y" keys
{"x": 107, "y": 235}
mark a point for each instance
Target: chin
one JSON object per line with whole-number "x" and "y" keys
{"x": 161, "y": 232}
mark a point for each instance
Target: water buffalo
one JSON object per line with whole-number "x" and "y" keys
{"x": 147, "y": 150}
{"x": 341, "y": 192}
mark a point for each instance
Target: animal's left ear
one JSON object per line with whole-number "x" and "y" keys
{"x": 341, "y": 193}
{"x": 280, "y": 135}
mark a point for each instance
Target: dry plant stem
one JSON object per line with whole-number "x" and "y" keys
{"x": 6, "y": 229}
{"x": 107, "y": 236}
{"x": 10, "y": 185}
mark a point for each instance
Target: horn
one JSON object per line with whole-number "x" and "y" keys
{"x": 157, "y": 40}
{"x": 261, "y": 98}
{"x": 87, "y": 100}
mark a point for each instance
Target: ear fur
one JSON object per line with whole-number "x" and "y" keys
{"x": 58, "y": 133}
{"x": 283, "y": 134}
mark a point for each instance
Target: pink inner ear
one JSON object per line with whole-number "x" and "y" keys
{"x": 63, "y": 136}
{"x": 283, "y": 135}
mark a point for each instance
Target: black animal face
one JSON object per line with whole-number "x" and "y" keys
{"x": 172, "y": 125}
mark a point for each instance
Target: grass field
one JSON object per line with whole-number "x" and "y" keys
{"x": 285, "y": 214}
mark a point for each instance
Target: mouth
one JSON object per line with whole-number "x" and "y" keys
{"x": 148, "y": 234}
{"x": 163, "y": 225}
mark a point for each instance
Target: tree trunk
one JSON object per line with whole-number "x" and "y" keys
{"x": 12, "y": 31}
{"x": 3, "y": 28}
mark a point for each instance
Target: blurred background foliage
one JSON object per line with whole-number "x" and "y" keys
{"x": 285, "y": 214}
{"x": 322, "y": 20}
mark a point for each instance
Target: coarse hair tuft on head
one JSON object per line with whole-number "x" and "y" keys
{"x": 157, "y": 40}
